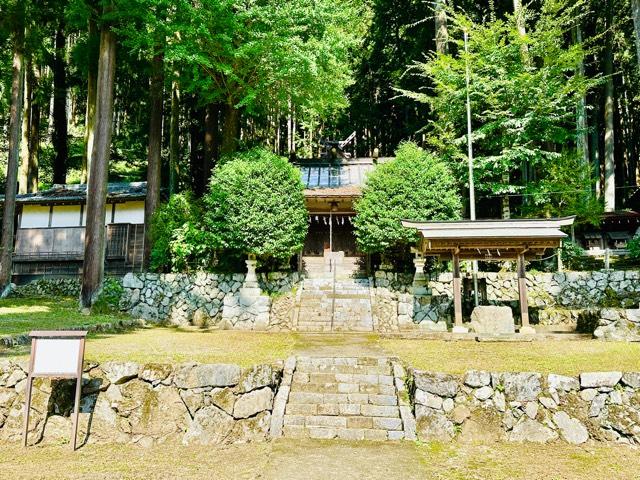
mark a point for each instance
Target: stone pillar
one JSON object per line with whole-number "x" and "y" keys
{"x": 251, "y": 279}
{"x": 254, "y": 307}
{"x": 419, "y": 285}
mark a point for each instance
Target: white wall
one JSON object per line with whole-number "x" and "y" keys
{"x": 65, "y": 216}
{"x": 37, "y": 216}
{"x": 34, "y": 216}
{"x": 129, "y": 212}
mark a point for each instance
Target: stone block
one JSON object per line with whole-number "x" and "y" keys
{"x": 477, "y": 379}
{"x": 385, "y": 423}
{"x": 326, "y": 421}
{"x": 571, "y": 430}
{"x": 302, "y": 409}
{"x": 520, "y": 387}
{"x": 349, "y": 409}
{"x": 120, "y": 372}
{"x": 428, "y": 399}
{"x": 360, "y": 422}
{"x": 207, "y": 375}
{"x": 350, "y": 434}
{"x": 631, "y": 379}
{"x": 531, "y": 431}
{"x": 383, "y": 399}
{"x": 328, "y": 409}
{"x": 379, "y": 411}
{"x": 599, "y": 379}
{"x": 562, "y": 383}
{"x": 492, "y": 320}
{"x": 442, "y": 385}
{"x": 253, "y": 402}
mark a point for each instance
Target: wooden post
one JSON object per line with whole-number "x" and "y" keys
{"x": 522, "y": 290}
{"x": 457, "y": 295}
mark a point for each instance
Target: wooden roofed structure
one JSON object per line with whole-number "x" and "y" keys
{"x": 490, "y": 240}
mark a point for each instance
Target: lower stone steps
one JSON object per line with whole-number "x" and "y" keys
{"x": 351, "y": 398}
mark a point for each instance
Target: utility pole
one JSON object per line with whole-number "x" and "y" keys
{"x": 472, "y": 191}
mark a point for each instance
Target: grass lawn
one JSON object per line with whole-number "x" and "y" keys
{"x": 171, "y": 344}
{"x": 310, "y": 460}
{"x": 551, "y": 356}
{"x": 21, "y": 315}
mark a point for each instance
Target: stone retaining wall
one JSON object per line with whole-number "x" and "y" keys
{"x": 124, "y": 402}
{"x": 189, "y": 403}
{"x": 398, "y": 305}
{"x": 612, "y": 288}
{"x": 48, "y": 287}
{"x": 489, "y": 406}
{"x": 207, "y": 299}
{"x": 566, "y": 300}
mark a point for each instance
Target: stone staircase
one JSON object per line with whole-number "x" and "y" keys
{"x": 350, "y": 398}
{"x": 334, "y": 296}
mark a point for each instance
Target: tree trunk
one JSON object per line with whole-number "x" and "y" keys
{"x": 594, "y": 141}
{"x": 94, "y": 244}
{"x": 230, "y": 130}
{"x": 174, "y": 138}
{"x": 635, "y": 8}
{"x": 60, "y": 144}
{"x": 90, "y": 116}
{"x": 34, "y": 133}
{"x": 23, "y": 179}
{"x": 609, "y": 137}
{"x": 506, "y": 207}
{"x": 155, "y": 149}
{"x": 211, "y": 125}
{"x": 196, "y": 138}
{"x": 15, "y": 124}
{"x": 442, "y": 34}
{"x": 582, "y": 140}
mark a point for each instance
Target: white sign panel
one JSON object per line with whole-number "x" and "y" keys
{"x": 56, "y": 356}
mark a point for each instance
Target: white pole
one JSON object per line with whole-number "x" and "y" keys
{"x": 472, "y": 191}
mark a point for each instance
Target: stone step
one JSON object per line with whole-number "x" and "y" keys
{"x": 313, "y": 368}
{"x": 351, "y": 398}
{"x": 344, "y": 420}
{"x": 328, "y": 433}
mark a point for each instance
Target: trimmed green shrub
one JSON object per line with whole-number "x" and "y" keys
{"x": 255, "y": 205}
{"x": 179, "y": 239}
{"x": 414, "y": 186}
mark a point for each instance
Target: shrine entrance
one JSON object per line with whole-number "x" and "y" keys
{"x": 329, "y": 232}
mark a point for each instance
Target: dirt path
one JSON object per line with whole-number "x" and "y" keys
{"x": 319, "y": 460}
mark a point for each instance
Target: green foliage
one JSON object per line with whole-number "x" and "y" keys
{"x": 524, "y": 93}
{"x": 109, "y": 299}
{"x": 264, "y": 56}
{"x": 633, "y": 246}
{"x": 564, "y": 189}
{"x": 255, "y": 205}
{"x": 416, "y": 185}
{"x": 571, "y": 254}
{"x": 179, "y": 239}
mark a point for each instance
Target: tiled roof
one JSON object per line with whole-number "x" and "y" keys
{"x": 78, "y": 193}
{"x": 337, "y": 178}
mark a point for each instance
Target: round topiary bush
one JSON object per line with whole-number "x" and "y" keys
{"x": 255, "y": 205}
{"x": 414, "y": 186}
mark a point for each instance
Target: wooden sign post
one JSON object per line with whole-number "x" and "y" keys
{"x": 56, "y": 354}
